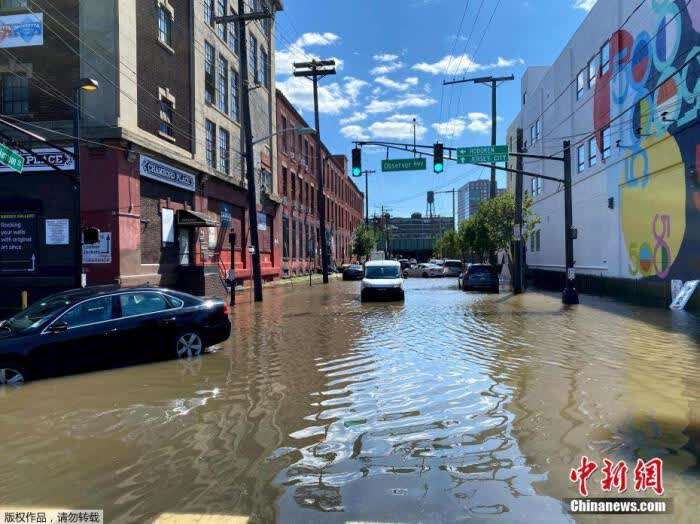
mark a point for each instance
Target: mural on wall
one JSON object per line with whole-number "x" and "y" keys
{"x": 648, "y": 97}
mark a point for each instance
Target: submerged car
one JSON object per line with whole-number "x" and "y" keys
{"x": 480, "y": 277}
{"x": 100, "y": 327}
{"x": 425, "y": 270}
{"x": 452, "y": 268}
{"x": 382, "y": 281}
{"x": 353, "y": 272}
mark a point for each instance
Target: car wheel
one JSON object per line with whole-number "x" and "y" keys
{"x": 402, "y": 296}
{"x": 12, "y": 374}
{"x": 189, "y": 344}
{"x": 425, "y": 275}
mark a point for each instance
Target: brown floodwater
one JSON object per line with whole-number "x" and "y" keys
{"x": 449, "y": 407}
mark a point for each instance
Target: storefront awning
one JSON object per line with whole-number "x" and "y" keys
{"x": 188, "y": 218}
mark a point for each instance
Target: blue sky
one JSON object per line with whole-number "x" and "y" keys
{"x": 393, "y": 56}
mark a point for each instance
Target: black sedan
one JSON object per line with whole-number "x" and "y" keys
{"x": 353, "y": 272}
{"x": 101, "y": 327}
{"x": 480, "y": 277}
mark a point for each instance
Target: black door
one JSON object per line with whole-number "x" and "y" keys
{"x": 148, "y": 325}
{"x": 85, "y": 343}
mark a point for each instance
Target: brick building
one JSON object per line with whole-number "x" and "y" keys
{"x": 161, "y": 170}
{"x": 298, "y": 187}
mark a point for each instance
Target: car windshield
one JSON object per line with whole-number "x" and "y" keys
{"x": 38, "y": 313}
{"x": 453, "y": 263}
{"x": 479, "y": 269}
{"x": 382, "y": 272}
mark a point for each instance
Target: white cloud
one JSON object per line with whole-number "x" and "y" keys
{"x": 357, "y": 116}
{"x": 460, "y": 64}
{"x": 407, "y": 100}
{"x": 297, "y": 52}
{"x": 332, "y": 99}
{"x": 353, "y": 86}
{"x": 398, "y": 86}
{"x": 354, "y": 132}
{"x": 475, "y": 122}
{"x": 396, "y": 130}
{"x": 385, "y": 57}
{"x": 400, "y": 117}
{"x": 385, "y": 69}
{"x": 586, "y": 5}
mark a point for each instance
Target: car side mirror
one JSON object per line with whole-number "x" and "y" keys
{"x": 58, "y": 327}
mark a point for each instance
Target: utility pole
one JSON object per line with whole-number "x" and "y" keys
{"x": 240, "y": 19}
{"x": 518, "y": 226}
{"x": 314, "y": 70}
{"x": 366, "y": 172}
{"x": 494, "y": 82}
{"x": 569, "y": 296}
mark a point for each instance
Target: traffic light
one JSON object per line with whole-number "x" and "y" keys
{"x": 438, "y": 161}
{"x": 357, "y": 162}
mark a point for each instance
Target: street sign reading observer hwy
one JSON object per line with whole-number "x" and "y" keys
{"x": 483, "y": 154}
{"x": 11, "y": 159}
{"x": 404, "y": 164}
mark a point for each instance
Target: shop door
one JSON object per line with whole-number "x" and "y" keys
{"x": 184, "y": 243}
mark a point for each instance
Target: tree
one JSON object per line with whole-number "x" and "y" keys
{"x": 448, "y": 246}
{"x": 364, "y": 241}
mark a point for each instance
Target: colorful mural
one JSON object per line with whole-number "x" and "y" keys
{"x": 648, "y": 97}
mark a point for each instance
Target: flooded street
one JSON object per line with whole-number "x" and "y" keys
{"x": 448, "y": 407}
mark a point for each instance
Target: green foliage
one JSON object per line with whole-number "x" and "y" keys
{"x": 489, "y": 230}
{"x": 364, "y": 241}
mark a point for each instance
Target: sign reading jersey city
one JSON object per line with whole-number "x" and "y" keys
{"x": 22, "y": 30}
{"x": 161, "y": 172}
{"x": 404, "y": 164}
{"x": 483, "y": 154}
{"x": 35, "y": 161}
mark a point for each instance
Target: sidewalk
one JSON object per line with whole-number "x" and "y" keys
{"x": 316, "y": 278}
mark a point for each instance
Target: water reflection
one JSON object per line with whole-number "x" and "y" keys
{"x": 448, "y": 407}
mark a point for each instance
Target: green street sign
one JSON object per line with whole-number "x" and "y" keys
{"x": 482, "y": 155}
{"x": 11, "y": 159}
{"x": 404, "y": 164}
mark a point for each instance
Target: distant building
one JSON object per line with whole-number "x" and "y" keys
{"x": 470, "y": 196}
{"x": 415, "y": 237}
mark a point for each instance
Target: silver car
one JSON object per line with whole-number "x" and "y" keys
{"x": 425, "y": 270}
{"x": 452, "y": 268}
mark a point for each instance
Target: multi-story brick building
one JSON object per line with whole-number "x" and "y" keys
{"x": 161, "y": 170}
{"x": 298, "y": 187}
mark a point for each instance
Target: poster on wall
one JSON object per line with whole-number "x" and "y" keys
{"x": 101, "y": 252}
{"x": 57, "y": 232}
{"x": 17, "y": 241}
{"x": 23, "y": 30}
{"x": 168, "y": 225}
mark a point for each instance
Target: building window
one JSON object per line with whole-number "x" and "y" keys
{"x": 15, "y": 93}
{"x": 592, "y": 152}
{"x": 538, "y": 129}
{"x": 532, "y": 134}
{"x": 166, "y": 117}
{"x": 592, "y": 71}
{"x": 536, "y": 187}
{"x": 253, "y": 52}
{"x": 285, "y": 237}
{"x": 606, "y": 143}
{"x": 524, "y": 97}
{"x": 234, "y": 96}
{"x": 224, "y": 156}
{"x": 580, "y": 158}
{"x": 285, "y": 188}
{"x": 209, "y": 65}
{"x": 12, "y": 4}
{"x": 605, "y": 58}
{"x": 264, "y": 68}
{"x": 233, "y": 35}
{"x": 210, "y": 129}
{"x": 209, "y": 12}
{"x": 294, "y": 238}
{"x": 580, "y": 84}
{"x": 221, "y": 11}
{"x": 222, "y": 85}
{"x": 165, "y": 25}
{"x": 284, "y": 134}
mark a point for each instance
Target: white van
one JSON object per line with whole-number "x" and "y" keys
{"x": 382, "y": 281}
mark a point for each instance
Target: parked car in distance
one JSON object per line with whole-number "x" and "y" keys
{"x": 405, "y": 263}
{"x": 425, "y": 270}
{"x": 452, "y": 268}
{"x": 382, "y": 281}
{"x": 104, "y": 326}
{"x": 353, "y": 272}
{"x": 480, "y": 277}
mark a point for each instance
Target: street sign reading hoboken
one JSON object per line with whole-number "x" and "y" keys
{"x": 11, "y": 159}
{"x": 404, "y": 164}
{"x": 484, "y": 154}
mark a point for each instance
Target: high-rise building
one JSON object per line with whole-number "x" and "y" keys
{"x": 470, "y": 196}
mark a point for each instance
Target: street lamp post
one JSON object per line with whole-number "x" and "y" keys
{"x": 89, "y": 85}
